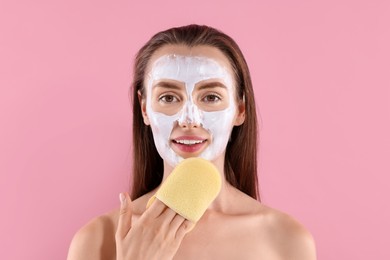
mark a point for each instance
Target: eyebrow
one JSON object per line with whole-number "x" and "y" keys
{"x": 215, "y": 84}
{"x": 169, "y": 85}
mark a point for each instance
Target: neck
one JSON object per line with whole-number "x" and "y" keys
{"x": 222, "y": 202}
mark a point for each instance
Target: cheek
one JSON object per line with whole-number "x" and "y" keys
{"x": 221, "y": 121}
{"x": 159, "y": 122}
{"x": 162, "y": 126}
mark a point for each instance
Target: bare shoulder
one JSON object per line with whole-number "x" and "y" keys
{"x": 287, "y": 236}
{"x": 96, "y": 239}
{"x": 281, "y": 235}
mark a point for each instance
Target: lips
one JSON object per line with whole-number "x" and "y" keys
{"x": 189, "y": 144}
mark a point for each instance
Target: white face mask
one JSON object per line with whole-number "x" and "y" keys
{"x": 190, "y": 70}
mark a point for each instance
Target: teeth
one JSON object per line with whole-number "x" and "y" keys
{"x": 189, "y": 142}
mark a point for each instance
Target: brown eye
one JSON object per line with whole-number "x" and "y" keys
{"x": 168, "y": 99}
{"x": 212, "y": 98}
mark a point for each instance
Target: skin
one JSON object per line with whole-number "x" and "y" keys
{"x": 235, "y": 226}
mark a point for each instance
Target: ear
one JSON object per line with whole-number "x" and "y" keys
{"x": 142, "y": 101}
{"x": 240, "y": 117}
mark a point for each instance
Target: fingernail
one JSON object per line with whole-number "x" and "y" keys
{"x": 122, "y": 199}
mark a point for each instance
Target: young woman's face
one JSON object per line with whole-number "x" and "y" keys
{"x": 191, "y": 102}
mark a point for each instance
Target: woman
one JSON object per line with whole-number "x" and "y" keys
{"x": 193, "y": 97}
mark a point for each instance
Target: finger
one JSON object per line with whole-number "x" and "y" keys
{"x": 124, "y": 221}
{"x": 155, "y": 210}
{"x": 184, "y": 228}
{"x": 167, "y": 216}
{"x": 176, "y": 222}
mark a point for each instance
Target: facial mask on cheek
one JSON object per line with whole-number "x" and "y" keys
{"x": 190, "y": 70}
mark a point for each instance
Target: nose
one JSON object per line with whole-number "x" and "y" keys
{"x": 190, "y": 116}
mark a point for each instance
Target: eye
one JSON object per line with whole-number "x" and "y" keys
{"x": 168, "y": 98}
{"x": 211, "y": 98}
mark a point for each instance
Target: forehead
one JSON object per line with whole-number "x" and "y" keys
{"x": 196, "y": 62}
{"x": 188, "y": 69}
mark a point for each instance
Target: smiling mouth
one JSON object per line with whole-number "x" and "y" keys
{"x": 189, "y": 142}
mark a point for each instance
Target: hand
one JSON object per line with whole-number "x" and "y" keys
{"x": 156, "y": 235}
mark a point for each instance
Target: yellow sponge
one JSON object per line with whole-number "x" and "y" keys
{"x": 190, "y": 188}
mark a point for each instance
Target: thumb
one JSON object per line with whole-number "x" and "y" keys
{"x": 124, "y": 221}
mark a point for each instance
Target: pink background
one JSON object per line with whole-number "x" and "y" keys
{"x": 321, "y": 76}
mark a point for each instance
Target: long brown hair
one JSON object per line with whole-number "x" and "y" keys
{"x": 241, "y": 151}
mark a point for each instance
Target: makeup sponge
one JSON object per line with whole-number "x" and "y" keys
{"x": 190, "y": 188}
